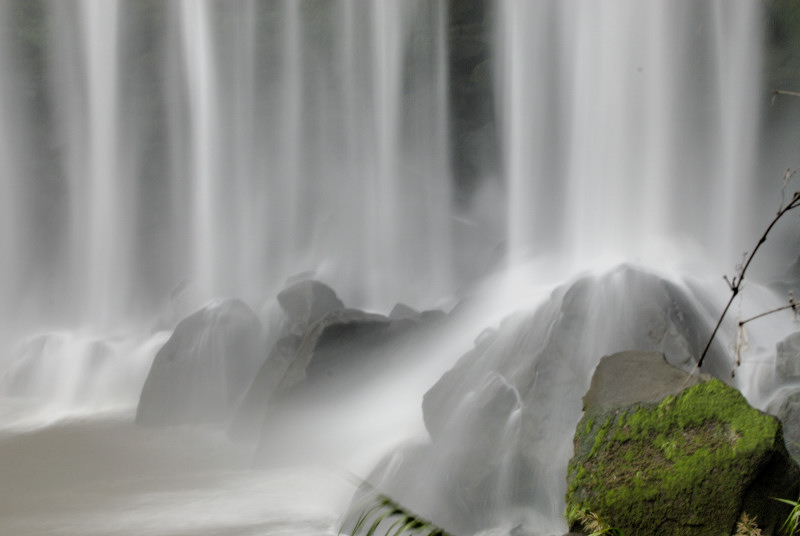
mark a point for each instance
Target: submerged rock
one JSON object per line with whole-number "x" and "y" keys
{"x": 658, "y": 451}
{"x": 204, "y": 368}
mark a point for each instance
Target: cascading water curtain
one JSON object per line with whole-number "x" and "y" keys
{"x": 629, "y": 127}
{"x": 197, "y": 149}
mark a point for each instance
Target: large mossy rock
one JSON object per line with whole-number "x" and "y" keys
{"x": 661, "y": 452}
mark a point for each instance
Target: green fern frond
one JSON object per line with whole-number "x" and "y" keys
{"x": 381, "y": 508}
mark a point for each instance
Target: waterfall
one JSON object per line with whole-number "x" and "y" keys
{"x": 630, "y": 127}
{"x": 223, "y": 148}
{"x": 155, "y": 156}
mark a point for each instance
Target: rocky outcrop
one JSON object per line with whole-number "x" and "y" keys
{"x": 658, "y": 451}
{"x": 204, "y": 368}
{"x": 525, "y": 381}
{"x": 334, "y": 343}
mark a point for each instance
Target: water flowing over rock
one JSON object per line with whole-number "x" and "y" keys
{"x": 204, "y": 368}
{"x": 318, "y": 343}
{"x": 659, "y": 451}
{"x": 787, "y": 359}
{"x": 41, "y": 361}
{"x": 343, "y": 343}
{"x": 306, "y": 302}
{"x": 302, "y": 304}
{"x": 524, "y": 382}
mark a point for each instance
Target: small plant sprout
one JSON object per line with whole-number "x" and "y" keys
{"x": 791, "y": 526}
{"x": 747, "y": 526}
{"x": 596, "y": 526}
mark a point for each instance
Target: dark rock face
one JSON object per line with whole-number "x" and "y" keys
{"x": 334, "y": 343}
{"x": 306, "y": 302}
{"x": 323, "y": 355}
{"x": 204, "y": 368}
{"x": 661, "y": 452}
{"x": 339, "y": 353}
{"x": 525, "y": 382}
{"x": 303, "y": 303}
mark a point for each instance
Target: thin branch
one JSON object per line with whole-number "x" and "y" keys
{"x": 785, "y": 92}
{"x": 735, "y": 283}
{"x": 792, "y": 305}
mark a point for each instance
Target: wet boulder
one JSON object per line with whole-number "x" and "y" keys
{"x": 305, "y": 302}
{"x": 547, "y": 357}
{"x": 336, "y": 342}
{"x": 204, "y": 368}
{"x": 787, "y": 358}
{"x": 401, "y": 311}
{"x": 659, "y": 451}
{"x": 786, "y": 407}
{"x": 332, "y": 348}
{"x": 247, "y": 421}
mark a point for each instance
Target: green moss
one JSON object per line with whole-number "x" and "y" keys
{"x": 600, "y": 436}
{"x": 587, "y": 429}
{"x": 690, "y": 453}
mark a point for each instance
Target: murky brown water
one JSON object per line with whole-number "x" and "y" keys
{"x": 106, "y": 477}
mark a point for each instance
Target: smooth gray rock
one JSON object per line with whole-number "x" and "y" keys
{"x": 306, "y": 302}
{"x": 337, "y": 339}
{"x": 402, "y": 311}
{"x": 204, "y": 368}
{"x": 786, "y": 407}
{"x": 628, "y": 378}
{"x": 787, "y": 358}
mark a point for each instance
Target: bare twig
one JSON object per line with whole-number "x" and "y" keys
{"x": 741, "y": 344}
{"x": 792, "y": 305}
{"x": 783, "y": 92}
{"x": 735, "y": 282}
